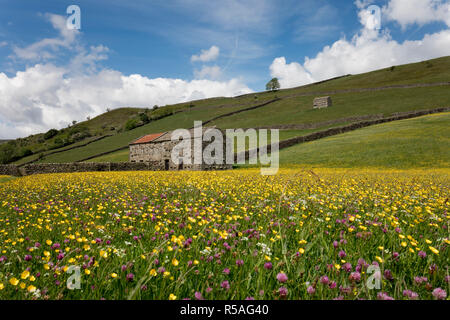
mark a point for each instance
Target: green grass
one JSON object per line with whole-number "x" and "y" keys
{"x": 6, "y": 178}
{"x": 123, "y": 155}
{"x": 431, "y": 71}
{"x": 414, "y": 143}
{"x": 299, "y": 110}
{"x": 179, "y": 120}
{"x": 294, "y": 110}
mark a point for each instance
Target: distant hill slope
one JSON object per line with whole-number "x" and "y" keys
{"x": 413, "y": 143}
{"x": 293, "y": 108}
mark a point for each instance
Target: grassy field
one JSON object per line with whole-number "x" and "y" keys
{"x": 227, "y": 235}
{"x": 123, "y": 155}
{"x": 296, "y": 110}
{"x": 6, "y": 178}
{"x": 299, "y": 110}
{"x": 412, "y": 143}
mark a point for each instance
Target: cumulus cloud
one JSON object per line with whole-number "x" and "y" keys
{"x": 409, "y": 12}
{"x": 207, "y": 55}
{"x": 289, "y": 74}
{"x": 45, "y": 95}
{"x": 46, "y": 48}
{"x": 208, "y": 72}
{"x": 367, "y": 51}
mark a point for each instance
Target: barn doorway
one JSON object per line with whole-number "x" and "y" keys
{"x": 166, "y": 164}
{"x": 180, "y": 165}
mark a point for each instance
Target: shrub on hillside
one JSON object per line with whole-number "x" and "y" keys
{"x": 144, "y": 117}
{"x": 131, "y": 124}
{"x": 50, "y": 134}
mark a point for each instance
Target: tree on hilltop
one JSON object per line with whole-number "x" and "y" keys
{"x": 273, "y": 85}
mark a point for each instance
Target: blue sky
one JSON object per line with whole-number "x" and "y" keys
{"x": 141, "y": 53}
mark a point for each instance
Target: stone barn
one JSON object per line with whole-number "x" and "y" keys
{"x": 322, "y": 102}
{"x": 156, "y": 149}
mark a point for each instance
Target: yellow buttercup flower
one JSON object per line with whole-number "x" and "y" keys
{"x": 434, "y": 250}
{"x": 14, "y": 281}
{"x": 31, "y": 288}
{"x": 172, "y": 297}
{"x": 25, "y": 274}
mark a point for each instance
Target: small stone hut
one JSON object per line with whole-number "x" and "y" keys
{"x": 322, "y": 102}
{"x": 155, "y": 149}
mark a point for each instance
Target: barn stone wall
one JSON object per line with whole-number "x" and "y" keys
{"x": 322, "y": 102}
{"x": 160, "y": 153}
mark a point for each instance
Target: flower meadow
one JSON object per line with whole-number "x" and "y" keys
{"x": 301, "y": 234}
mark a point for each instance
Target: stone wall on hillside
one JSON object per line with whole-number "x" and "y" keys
{"x": 39, "y": 168}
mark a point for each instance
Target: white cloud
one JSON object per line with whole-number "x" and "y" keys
{"x": 208, "y": 72}
{"x": 289, "y": 75}
{"x": 207, "y": 55}
{"x": 366, "y": 51}
{"x": 46, "y": 96}
{"x": 46, "y": 48}
{"x": 409, "y": 12}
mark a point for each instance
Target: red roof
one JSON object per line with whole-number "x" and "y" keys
{"x": 148, "y": 138}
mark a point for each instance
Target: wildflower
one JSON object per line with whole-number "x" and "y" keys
{"x": 25, "y": 275}
{"x": 2, "y": 286}
{"x": 239, "y": 262}
{"x": 388, "y": 274}
{"x": 384, "y": 296}
{"x": 175, "y": 262}
{"x": 355, "y": 276}
{"x": 172, "y": 297}
{"x": 282, "y": 277}
{"x": 28, "y": 257}
{"x": 283, "y": 292}
{"x": 14, "y": 281}
{"x": 31, "y": 288}
{"x": 434, "y": 250}
{"x": 225, "y": 285}
{"x": 342, "y": 254}
{"x": 198, "y": 296}
{"x": 439, "y": 294}
{"x": 410, "y": 294}
{"x": 347, "y": 267}
{"x": 226, "y": 271}
{"x": 130, "y": 277}
{"x": 324, "y": 280}
{"x": 310, "y": 290}
{"x": 114, "y": 275}
{"x": 422, "y": 254}
{"x": 153, "y": 272}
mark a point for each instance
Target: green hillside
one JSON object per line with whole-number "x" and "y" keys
{"x": 413, "y": 143}
{"x": 294, "y": 108}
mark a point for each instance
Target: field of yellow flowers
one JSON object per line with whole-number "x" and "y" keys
{"x": 302, "y": 234}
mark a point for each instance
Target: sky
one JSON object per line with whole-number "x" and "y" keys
{"x": 157, "y": 52}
